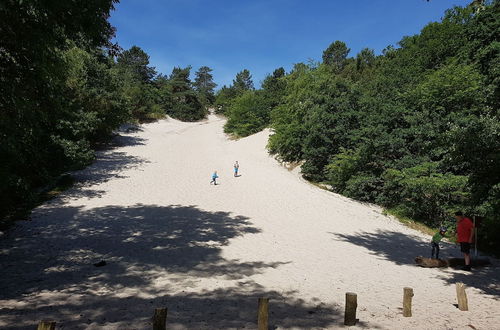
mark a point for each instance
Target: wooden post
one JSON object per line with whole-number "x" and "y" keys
{"x": 475, "y": 235}
{"x": 407, "y": 295}
{"x": 46, "y": 325}
{"x": 160, "y": 319}
{"x": 462, "y": 297}
{"x": 263, "y": 314}
{"x": 351, "y": 303}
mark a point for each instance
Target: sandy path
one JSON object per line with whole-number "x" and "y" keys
{"x": 207, "y": 252}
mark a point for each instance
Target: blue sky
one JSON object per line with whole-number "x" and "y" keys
{"x": 262, "y": 35}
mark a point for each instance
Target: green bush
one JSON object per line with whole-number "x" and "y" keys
{"x": 247, "y": 114}
{"x": 363, "y": 186}
{"x": 416, "y": 129}
{"x": 423, "y": 193}
{"x": 342, "y": 168}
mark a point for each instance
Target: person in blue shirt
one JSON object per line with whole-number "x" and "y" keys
{"x": 236, "y": 168}
{"x": 214, "y": 178}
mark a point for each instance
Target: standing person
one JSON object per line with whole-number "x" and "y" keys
{"x": 236, "y": 168}
{"x": 214, "y": 178}
{"x": 435, "y": 242}
{"x": 465, "y": 232}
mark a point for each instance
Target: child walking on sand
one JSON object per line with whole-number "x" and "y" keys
{"x": 236, "y": 168}
{"x": 214, "y": 178}
{"x": 435, "y": 242}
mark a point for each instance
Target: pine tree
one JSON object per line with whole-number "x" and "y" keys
{"x": 336, "y": 54}
{"x": 243, "y": 81}
{"x": 185, "y": 102}
{"x": 137, "y": 61}
{"x": 205, "y": 85}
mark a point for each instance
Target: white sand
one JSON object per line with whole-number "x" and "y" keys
{"x": 207, "y": 252}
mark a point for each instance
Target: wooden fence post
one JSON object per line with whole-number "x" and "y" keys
{"x": 160, "y": 319}
{"x": 351, "y": 303}
{"x": 46, "y": 325}
{"x": 407, "y": 296}
{"x": 263, "y": 314}
{"x": 462, "y": 297}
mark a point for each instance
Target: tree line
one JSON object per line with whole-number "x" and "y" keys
{"x": 65, "y": 87}
{"x": 415, "y": 129}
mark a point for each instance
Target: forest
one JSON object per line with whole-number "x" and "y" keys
{"x": 415, "y": 129}
{"x": 65, "y": 87}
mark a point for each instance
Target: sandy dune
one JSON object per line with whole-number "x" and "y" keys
{"x": 207, "y": 252}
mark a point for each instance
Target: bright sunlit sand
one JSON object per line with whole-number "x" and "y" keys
{"x": 170, "y": 239}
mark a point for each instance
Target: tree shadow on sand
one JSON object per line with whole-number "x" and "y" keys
{"x": 402, "y": 250}
{"x": 109, "y": 164}
{"x": 152, "y": 253}
{"x": 228, "y": 308}
{"x": 135, "y": 241}
{"x": 486, "y": 279}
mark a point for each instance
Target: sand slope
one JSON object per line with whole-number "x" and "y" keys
{"x": 207, "y": 252}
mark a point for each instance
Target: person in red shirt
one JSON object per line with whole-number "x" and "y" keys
{"x": 465, "y": 232}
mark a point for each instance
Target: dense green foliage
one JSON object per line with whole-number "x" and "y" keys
{"x": 226, "y": 95}
{"x": 248, "y": 110}
{"x": 205, "y": 86}
{"x": 416, "y": 129}
{"x": 185, "y": 102}
{"x": 336, "y": 55}
{"x": 64, "y": 87}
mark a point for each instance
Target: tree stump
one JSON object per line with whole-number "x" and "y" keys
{"x": 351, "y": 304}
{"x": 462, "y": 297}
{"x": 46, "y": 325}
{"x": 263, "y": 314}
{"x": 407, "y": 296}
{"x": 160, "y": 319}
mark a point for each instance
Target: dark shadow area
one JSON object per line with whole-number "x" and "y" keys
{"x": 487, "y": 279}
{"x": 121, "y": 139}
{"x": 125, "y": 141}
{"x": 140, "y": 244}
{"x": 130, "y": 127}
{"x": 394, "y": 246}
{"x": 109, "y": 164}
{"x": 229, "y": 308}
{"x": 64, "y": 243}
{"x": 402, "y": 250}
